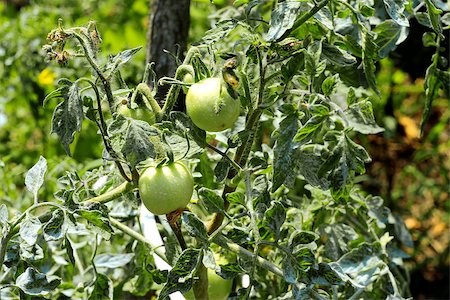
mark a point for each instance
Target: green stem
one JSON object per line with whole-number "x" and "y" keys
{"x": 174, "y": 90}
{"x": 127, "y": 230}
{"x": 105, "y": 82}
{"x": 244, "y": 253}
{"x": 223, "y": 154}
{"x": 115, "y": 193}
{"x": 145, "y": 90}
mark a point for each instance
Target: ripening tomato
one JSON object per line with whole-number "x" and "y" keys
{"x": 210, "y": 107}
{"x": 166, "y": 188}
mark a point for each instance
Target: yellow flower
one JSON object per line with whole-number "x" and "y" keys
{"x": 46, "y": 77}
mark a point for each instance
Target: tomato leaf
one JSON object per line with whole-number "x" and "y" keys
{"x": 275, "y": 217}
{"x": 180, "y": 278}
{"x": 369, "y": 51}
{"x": 35, "y": 177}
{"x": 434, "y": 17}
{"x": 34, "y": 283}
{"x": 195, "y": 227}
{"x": 3, "y": 215}
{"x": 184, "y": 124}
{"x": 358, "y": 266}
{"x": 302, "y": 237}
{"x": 29, "y": 229}
{"x": 324, "y": 275}
{"x": 230, "y": 270}
{"x": 213, "y": 202}
{"x": 97, "y": 216}
{"x": 68, "y": 115}
{"x": 389, "y": 35}
{"x": 103, "y": 288}
{"x": 283, "y": 18}
{"x": 131, "y": 138}
{"x": 395, "y": 9}
{"x": 360, "y": 117}
{"x": 53, "y": 229}
{"x": 283, "y": 149}
{"x": 112, "y": 261}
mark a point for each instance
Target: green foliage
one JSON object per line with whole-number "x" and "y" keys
{"x": 276, "y": 194}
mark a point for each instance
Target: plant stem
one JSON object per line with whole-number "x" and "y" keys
{"x": 243, "y": 151}
{"x": 144, "y": 89}
{"x": 109, "y": 97}
{"x": 174, "y": 90}
{"x": 244, "y": 253}
{"x": 127, "y": 230}
{"x": 115, "y": 193}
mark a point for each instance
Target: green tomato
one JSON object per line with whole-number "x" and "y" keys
{"x": 140, "y": 113}
{"x": 166, "y": 188}
{"x": 210, "y": 107}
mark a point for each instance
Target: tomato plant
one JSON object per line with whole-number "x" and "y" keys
{"x": 166, "y": 188}
{"x": 279, "y": 191}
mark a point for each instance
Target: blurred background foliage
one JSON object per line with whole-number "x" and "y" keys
{"x": 409, "y": 171}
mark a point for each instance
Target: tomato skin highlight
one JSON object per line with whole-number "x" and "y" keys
{"x": 166, "y": 188}
{"x": 210, "y": 107}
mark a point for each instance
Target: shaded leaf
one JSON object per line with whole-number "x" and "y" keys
{"x": 97, "y": 217}
{"x": 289, "y": 269}
{"x": 284, "y": 147}
{"x": 275, "y": 217}
{"x": 68, "y": 115}
{"x": 103, "y": 288}
{"x": 184, "y": 124}
{"x": 337, "y": 56}
{"x": 221, "y": 30}
{"x": 337, "y": 237}
{"x": 213, "y": 202}
{"x": 302, "y": 237}
{"x": 389, "y": 35}
{"x": 230, "y": 270}
{"x": 131, "y": 138}
{"x": 221, "y": 169}
{"x": 180, "y": 278}
{"x": 195, "y": 226}
{"x": 324, "y": 275}
{"x": 360, "y": 117}
{"x": 369, "y": 51}
{"x": 53, "y": 228}
{"x": 34, "y": 283}
{"x": 358, "y": 266}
